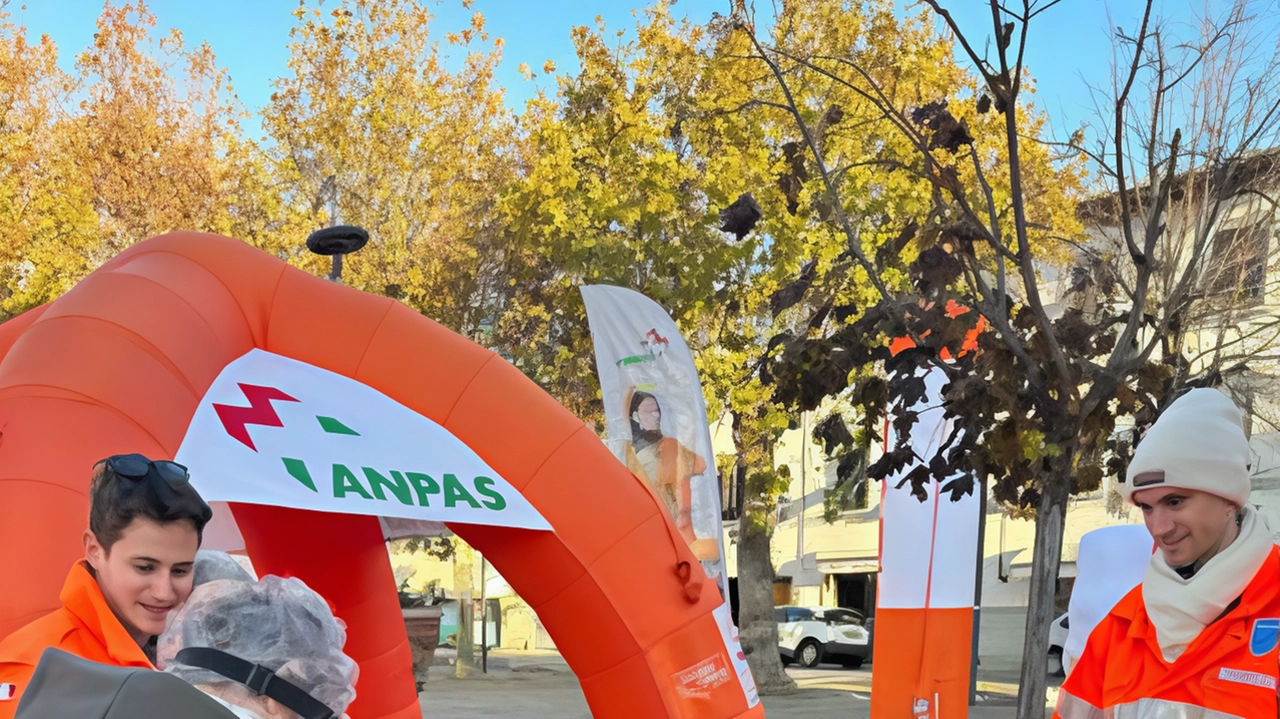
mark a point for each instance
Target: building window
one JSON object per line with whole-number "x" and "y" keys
{"x": 858, "y": 485}
{"x": 1237, "y": 266}
{"x": 860, "y": 493}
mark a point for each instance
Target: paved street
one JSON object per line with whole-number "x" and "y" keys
{"x": 539, "y": 685}
{"x": 545, "y": 693}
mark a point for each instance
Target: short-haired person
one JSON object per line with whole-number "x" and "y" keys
{"x": 1198, "y": 637}
{"x": 145, "y": 526}
{"x": 231, "y": 634}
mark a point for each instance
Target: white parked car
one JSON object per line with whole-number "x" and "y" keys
{"x": 812, "y": 635}
{"x": 1057, "y": 640}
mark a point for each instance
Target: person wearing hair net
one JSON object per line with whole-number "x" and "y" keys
{"x": 267, "y": 650}
{"x": 212, "y": 565}
{"x": 1199, "y": 636}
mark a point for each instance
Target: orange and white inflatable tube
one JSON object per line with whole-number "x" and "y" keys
{"x": 120, "y": 363}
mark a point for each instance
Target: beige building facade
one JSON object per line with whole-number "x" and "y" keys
{"x": 836, "y": 563}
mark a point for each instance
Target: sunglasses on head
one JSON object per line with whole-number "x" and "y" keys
{"x": 169, "y": 482}
{"x": 136, "y": 467}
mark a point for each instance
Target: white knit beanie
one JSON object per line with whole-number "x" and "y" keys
{"x": 1198, "y": 443}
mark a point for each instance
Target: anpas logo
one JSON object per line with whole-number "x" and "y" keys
{"x": 272, "y": 430}
{"x": 404, "y": 486}
{"x": 407, "y": 487}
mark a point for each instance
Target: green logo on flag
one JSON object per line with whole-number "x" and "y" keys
{"x": 409, "y": 488}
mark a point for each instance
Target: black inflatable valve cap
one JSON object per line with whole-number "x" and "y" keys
{"x": 337, "y": 240}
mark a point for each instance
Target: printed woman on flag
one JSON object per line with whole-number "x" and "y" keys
{"x": 667, "y": 465}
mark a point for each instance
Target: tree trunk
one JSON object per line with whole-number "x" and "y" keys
{"x": 757, "y": 627}
{"x": 463, "y": 574}
{"x": 1051, "y": 516}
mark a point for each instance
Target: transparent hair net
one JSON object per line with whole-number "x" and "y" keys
{"x": 279, "y": 623}
{"x": 212, "y": 566}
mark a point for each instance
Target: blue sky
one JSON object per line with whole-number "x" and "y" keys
{"x": 1068, "y": 45}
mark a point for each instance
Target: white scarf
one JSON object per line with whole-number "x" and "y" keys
{"x": 1181, "y": 608}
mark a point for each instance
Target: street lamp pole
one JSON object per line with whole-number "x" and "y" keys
{"x": 336, "y": 240}
{"x": 484, "y": 617}
{"x": 981, "y": 489}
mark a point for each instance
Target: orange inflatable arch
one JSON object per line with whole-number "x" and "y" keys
{"x": 120, "y": 363}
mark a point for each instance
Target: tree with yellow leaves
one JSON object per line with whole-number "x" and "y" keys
{"x": 618, "y": 184}
{"x": 640, "y": 172}
{"x": 110, "y": 155}
{"x": 46, "y": 220}
{"x": 371, "y": 129}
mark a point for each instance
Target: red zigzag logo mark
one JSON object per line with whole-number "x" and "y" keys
{"x": 260, "y": 411}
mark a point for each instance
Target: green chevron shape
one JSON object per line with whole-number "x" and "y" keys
{"x": 333, "y": 426}
{"x": 298, "y": 470}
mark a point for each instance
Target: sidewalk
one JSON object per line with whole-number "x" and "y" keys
{"x": 539, "y": 685}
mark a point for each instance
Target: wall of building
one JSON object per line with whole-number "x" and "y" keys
{"x": 814, "y": 552}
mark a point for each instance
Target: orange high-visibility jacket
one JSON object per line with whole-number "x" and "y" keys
{"x": 85, "y": 626}
{"x": 1231, "y": 669}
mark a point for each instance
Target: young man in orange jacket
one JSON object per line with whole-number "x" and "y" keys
{"x": 145, "y": 525}
{"x": 1199, "y": 636}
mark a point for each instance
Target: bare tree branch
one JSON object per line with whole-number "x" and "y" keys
{"x": 751, "y": 104}
{"x": 1217, "y": 347}
{"x": 1026, "y": 259}
{"x": 1022, "y": 47}
{"x": 1001, "y": 250}
{"x": 882, "y": 102}
{"x": 1097, "y": 159}
{"x": 1125, "y": 213}
{"x": 1006, "y": 89}
{"x": 1038, "y": 11}
{"x": 998, "y": 315}
{"x": 1222, "y": 32}
{"x": 1264, "y": 124}
{"x": 1012, "y": 14}
{"x": 978, "y": 62}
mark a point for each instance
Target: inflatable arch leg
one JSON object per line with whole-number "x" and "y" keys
{"x": 121, "y": 362}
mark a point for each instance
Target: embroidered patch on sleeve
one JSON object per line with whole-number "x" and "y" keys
{"x": 1257, "y": 679}
{"x": 7, "y": 692}
{"x": 1265, "y": 636}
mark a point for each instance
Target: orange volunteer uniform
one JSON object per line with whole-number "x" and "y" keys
{"x": 1198, "y": 637}
{"x": 1230, "y": 670}
{"x": 84, "y": 626}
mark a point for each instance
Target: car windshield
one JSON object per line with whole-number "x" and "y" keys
{"x": 842, "y": 616}
{"x": 799, "y": 614}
